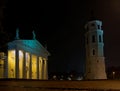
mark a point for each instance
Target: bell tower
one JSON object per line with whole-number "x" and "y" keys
{"x": 95, "y": 63}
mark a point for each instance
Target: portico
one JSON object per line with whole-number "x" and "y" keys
{"x": 27, "y": 59}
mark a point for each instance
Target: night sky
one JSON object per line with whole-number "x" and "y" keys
{"x": 59, "y": 24}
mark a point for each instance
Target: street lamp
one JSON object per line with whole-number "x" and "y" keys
{"x": 113, "y": 73}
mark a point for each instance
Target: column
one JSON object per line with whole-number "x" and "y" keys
{"x": 27, "y": 65}
{"x": 17, "y": 64}
{"x": 21, "y": 64}
{"x": 43, "y": 72}
{"x": 34, "y": 67}
{"x": 37, "y": 64}
{"x": 40, "y": 68}
{"x": 6, "y": 67}
{"x": 30, "y": 69}
{"x": 45, "y": 69}
{"x": 24, "y": 65}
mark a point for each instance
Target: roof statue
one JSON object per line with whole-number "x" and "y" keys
{"x": 34, "y": 35}
{"x": 17, "y": 34}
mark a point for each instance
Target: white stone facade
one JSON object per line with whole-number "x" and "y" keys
{"x": 95, "y": 64}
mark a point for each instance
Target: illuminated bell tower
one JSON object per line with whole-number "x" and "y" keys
{"x": 95, "y": 63}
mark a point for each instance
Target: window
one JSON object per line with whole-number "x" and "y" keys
{"x": 93, "y": 39}
{"x": 97, "y": 61}
{"x": 100, "y": 40}
{"x": 93, "y": 51}
{"x": 92, "y": 24}
{"x": 87, "y": 28}
{"x": 98, "y": 26}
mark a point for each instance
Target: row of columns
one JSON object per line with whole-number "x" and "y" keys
{"x": 26, "y": 69}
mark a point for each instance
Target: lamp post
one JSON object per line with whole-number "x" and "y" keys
{"x": 113, "y": 73}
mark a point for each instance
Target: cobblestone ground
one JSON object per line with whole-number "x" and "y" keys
{"x": 37, "y": 85}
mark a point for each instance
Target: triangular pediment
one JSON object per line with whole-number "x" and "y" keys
{"x": 32, "y": 46}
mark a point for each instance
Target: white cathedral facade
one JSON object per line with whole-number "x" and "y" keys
{"x": 25, "y": 59}
{"x": 95, "y": 60}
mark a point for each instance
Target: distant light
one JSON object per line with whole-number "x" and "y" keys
{"x": 69, "y": 78}
{"x": 54, "y": 77}
{"x": 80, "y": 78}
{"x": 113, "y": 72}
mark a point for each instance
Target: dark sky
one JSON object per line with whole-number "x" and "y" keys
{"x": 60, "y": 25}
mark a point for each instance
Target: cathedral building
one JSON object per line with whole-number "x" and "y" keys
{"x": 95, "y": 60}
{"x": 25, "y": 59}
